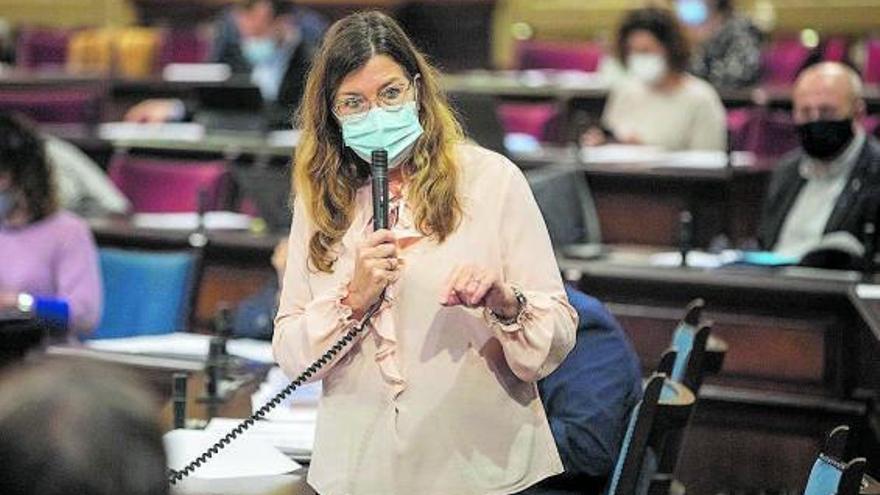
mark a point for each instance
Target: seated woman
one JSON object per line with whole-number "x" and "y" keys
{"x": 50, "y": 265}
{"x": 659, "y": 104}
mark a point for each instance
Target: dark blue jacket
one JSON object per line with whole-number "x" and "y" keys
{"x": 588, "y": 399}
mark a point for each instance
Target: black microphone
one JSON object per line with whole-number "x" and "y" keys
{"x": 379, "y": 170}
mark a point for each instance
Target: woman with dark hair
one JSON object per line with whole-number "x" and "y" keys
{"x": 659, "y": 104}
{"x": 728, "y": 52}
{"x": 438, "y": 395}
{"x": 49, "y": 260}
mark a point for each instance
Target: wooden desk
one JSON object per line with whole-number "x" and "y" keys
{"x": 788, "y": 375}
{"x": 236, "y": 265}
{"x": 641, "y": 204}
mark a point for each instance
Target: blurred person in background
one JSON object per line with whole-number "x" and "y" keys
{"x": 50, "y": 266}
{"x": 70, "y": 428}
{"x": 262, "y": 39}
{"x": 728, "y": 46}
{"x": 659, "y": 103}
{"x": 253, "y": 317}
{"x": 832, "y": 181}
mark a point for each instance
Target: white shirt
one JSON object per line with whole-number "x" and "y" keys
{"x": 690, "y": 117}
{"x": 804, "y": 225}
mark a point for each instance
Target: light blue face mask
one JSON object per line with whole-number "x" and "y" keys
{"x": 395, "y": 131}
{"x": 693, "y": 12}
{"x": 258, "y": 51}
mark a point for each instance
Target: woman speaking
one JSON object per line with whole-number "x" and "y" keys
{"x": 438, "y": 396}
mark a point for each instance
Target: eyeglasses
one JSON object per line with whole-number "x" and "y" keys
{"x": 392, "y": 98}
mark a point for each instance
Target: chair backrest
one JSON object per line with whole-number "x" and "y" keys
{"x": 528, "y": 118}
{"x": 564, "y": 199}
{"x": 42, "y": 47}
{"x": 184, "y": 46}
{"x": 633, "y": 449}
{"x": 58, "y": 106}
{"x": 872, "y": 61}
{"x": 163, "y": 186}
{"x": 689, "y": 341}
{"x": 146, "y": 292}
{"x": 831, "y": 476}
{"x": 584, "y": 56}
{"x": 764, "y": 132}
{"x": 479, "y": 117}
{"x": 782, "y": 60}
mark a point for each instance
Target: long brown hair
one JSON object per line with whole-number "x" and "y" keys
{"x": 327, "y": 174}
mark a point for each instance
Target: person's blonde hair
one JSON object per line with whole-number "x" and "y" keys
{"x": 327, "y": 174}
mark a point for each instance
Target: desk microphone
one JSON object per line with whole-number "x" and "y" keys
{"x": 379, "y": 171}
{"x": 686, "y": 235}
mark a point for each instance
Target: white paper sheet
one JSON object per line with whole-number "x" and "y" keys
{"x": 294, "y": 438}
{"x": 246, "y": 456}
{"x": 170, "y": 131}
{"x": 184, "y": 345}
{"x": 214, "y": 220}
{"x": 196, "y": 72}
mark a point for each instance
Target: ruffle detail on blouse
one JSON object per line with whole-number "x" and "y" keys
{"x": 386, "y": 344}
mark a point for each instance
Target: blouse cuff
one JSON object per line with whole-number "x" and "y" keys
{"x": 526, "y": 314}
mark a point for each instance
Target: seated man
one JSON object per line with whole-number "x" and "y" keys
{"x": 832, "y": 181}
{"x": 260, "y": 39}
{"x": 588, "y": 400}
{"x": 80, "y": 429}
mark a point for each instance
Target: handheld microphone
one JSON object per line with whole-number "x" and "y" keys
{"x": 379, "y": 171}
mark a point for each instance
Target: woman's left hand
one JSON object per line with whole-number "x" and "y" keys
{"x": 474, "y": 286}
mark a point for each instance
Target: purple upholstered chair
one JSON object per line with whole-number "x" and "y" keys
{"x": 60, "y": 106}
{"x": 184, "y": 46}
{"x": 872, "y": 61}
{"x": 766, "y": 133}
{"x": 42, "y": 47}
{"x": 583, "y": 56}
{"x": 782, "y": 60}
{"x": 835, "y": 49}
{"x": 165, "y": 186}
{"x": 527, "y": 118}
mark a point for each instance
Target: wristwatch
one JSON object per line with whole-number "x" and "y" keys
{"x": 520, "y": 303}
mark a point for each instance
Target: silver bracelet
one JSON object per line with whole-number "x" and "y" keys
{"x": 521, "y": 303}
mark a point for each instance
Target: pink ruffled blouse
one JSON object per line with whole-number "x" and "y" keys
{"x": 432, "y": 399}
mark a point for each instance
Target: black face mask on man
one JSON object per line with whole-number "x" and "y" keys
{"x": 826, "y": 139}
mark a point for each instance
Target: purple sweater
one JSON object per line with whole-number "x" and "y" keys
{"x": 55, "y": 257}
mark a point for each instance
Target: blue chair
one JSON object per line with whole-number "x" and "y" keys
{"x": 688, "y": 360}
{"x": 665, "y": 407}
{"x": 830, "y": 475}
{"x": 147, "y": 292}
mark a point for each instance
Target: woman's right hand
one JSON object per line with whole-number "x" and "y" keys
{"x": 375, "y": 267}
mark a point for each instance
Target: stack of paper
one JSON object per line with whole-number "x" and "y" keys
{"x": 295, "y": 439}
{"x": 246, "y": 456}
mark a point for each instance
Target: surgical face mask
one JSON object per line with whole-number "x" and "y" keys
{"x": 826, "y": 139}
{"x": 258, "y": 51}
{"x": 649, "y": 68}
{"x": 394, "y": 130}
{"x": 693, "y": 12}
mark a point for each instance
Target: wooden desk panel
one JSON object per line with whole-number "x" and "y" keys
{"x": 789, "y": 375}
